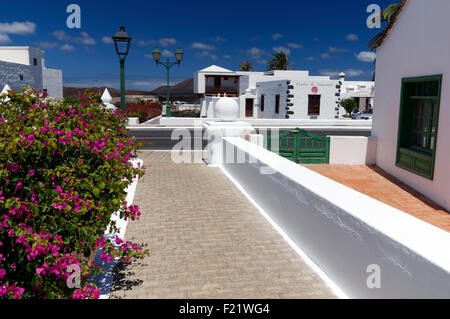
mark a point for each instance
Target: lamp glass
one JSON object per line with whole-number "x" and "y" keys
{"x": 179, "y": 55}
{"x": 156, "y": 54}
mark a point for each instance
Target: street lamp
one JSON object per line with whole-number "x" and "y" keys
{"x": 179, "y": 57}
{"x": 122, "y": 42}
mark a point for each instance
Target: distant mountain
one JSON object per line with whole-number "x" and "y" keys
{"x": 77, "y": 92}
{"x": 183, "y": 91}
{"x": 185, "y": 87}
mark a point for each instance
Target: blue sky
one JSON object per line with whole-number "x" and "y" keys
{"x": 324, "y": 37}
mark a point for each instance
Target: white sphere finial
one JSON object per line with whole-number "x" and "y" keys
{"x": 226, "y": 108}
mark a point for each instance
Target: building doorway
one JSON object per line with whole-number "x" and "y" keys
{"x": 314, "y": 105}
{"x": 249, "y": 107}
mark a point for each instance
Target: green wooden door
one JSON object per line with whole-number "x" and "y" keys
{"x": 301, "y": 147}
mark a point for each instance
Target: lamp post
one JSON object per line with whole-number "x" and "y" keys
{"x": 122, "y": 43}
{"x": 168, "y": 64}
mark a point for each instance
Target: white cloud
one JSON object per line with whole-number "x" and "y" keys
{"x": 333, "y": 49}
{"x": 227, "y": 56}
{"x": 352, "y": 72}
{"x": 67, "y": 47}
{"x": 366, "y": 56}
{"x": 202, "y": 46}
{"x": 89, "y": 49}
{"x": 331, "y": 73}
{"x": 287, "y": 51}
{"x": 294, "y": 45}
{"x": 208, "y": 55}
{"x": 47, "y": 45}
{"x": 352, "y": 37}
{"x": 164, "y": 53}
{"x": 165, "y": 42}
{"x": 310, "y": 58}
{"x": 4, "y": 39}
{"x": 61, "y": 35}
{"x": 84, "y": 38}
{"x": 219, "y": 39}
{"x": 255, "y": 53}
{"x": 335, "y": 73}
{"x": 146, "y": 43}
{"x": 21, "y": 28}
{"x": 325, "y": 56}
{"x": 107, "y": 40}
{"x": 277, "y": 36}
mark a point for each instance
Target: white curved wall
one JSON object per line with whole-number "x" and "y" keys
{"x": 344, "y": 231}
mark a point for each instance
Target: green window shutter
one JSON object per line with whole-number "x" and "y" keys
{"x": 418, "y": 124}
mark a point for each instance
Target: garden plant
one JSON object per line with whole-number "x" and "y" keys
{"x": 64, "y": 169}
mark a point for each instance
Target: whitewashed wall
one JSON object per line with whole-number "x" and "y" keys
{"x": 343, "y": 231}
{"x": 20, "y": 55}
{"x": 10, "y": 74}
{"x": 418, "y": 45}
{"x": 353, "y": 150}
{"x": 270, "y": 90}
{"x": 16, "y": 61}
{"x": 52, "y": 81}
{"x": 301, "y": 91}
{"x": 253, "y": 84}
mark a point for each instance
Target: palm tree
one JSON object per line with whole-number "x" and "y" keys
{"x": 246, "y": 66}
{"x": 386, "y": 16}
{"x": 390, "y": 12}
{"x": 279, "y": 62}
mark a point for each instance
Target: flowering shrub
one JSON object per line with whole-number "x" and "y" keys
{"x": 64, "y": 168}
{"x": 144, "y": 112}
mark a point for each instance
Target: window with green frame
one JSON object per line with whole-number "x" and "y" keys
{"x": 418, "y": 124}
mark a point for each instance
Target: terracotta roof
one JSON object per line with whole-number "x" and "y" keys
{"x": 378, "y": 40}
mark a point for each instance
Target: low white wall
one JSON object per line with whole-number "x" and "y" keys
{"x": 355, "y": 150}
{"x": 155, "y": 120}
{"x": 272, "y": 122}
{"x": 344, "y": 231}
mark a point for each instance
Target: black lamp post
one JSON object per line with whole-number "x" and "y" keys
{"x": 179, "y": 57}
{"x": 122, "y": 42}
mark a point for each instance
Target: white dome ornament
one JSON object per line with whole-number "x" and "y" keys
{"x": 226, "y": 108}
{"x": 106, "y": 99}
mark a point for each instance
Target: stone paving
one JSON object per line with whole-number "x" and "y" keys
{"x": 207, "y": 241}
{"x": 376, "y": 183}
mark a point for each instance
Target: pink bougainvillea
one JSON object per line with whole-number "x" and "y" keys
{"x": 64, "y": 168}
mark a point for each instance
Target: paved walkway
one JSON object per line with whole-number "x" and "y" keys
{"x": 207, "y": 241}
{"x": 376, "y": 183}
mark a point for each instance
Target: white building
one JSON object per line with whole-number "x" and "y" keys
{"x": 25, "y": 66}
{"x": 278, "y": 94}
{"x": 412, "y": 98}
